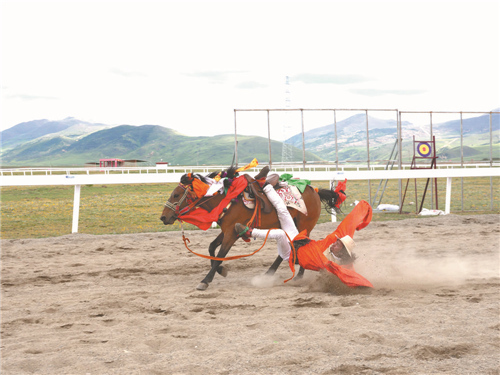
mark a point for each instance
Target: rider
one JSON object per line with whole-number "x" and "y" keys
{"x": 333, "y": 253}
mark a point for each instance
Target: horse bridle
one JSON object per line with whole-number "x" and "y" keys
{"x": 177, "y": 205}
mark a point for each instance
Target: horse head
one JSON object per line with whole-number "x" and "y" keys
{"x": 192, "y": 187}
{"x": 177, "y": 201}
{"x": 189, "y": 190}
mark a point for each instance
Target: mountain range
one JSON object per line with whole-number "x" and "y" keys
{"x": 351, "y": 138}
{"x": 71, "y": 142}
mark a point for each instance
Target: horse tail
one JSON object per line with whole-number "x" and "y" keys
{"x": 331, "y": 200}
{"x": 213, "y": 174}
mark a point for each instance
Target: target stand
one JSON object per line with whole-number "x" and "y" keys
{"x": 424, "y": 157}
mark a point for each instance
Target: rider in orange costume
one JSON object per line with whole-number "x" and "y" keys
{"x": 311, "y": 254}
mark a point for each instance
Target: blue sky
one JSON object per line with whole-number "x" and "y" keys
{"x": 187, "y": 64}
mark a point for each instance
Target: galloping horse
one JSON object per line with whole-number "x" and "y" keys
{"x": 183, "y": 196}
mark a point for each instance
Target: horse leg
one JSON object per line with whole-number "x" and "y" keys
{"x": 300, "y": 274}
{"x": 274, "y": 266}
{"x": 277, "y": 263}
{"x": 211, "y": 249}
{"x": 227, "y": 242}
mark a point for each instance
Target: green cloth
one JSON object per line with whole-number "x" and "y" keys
{"x": 300, "y": 184}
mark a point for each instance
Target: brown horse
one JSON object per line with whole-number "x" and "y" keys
{"x": 183, "y": 195}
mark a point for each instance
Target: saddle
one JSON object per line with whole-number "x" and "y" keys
{"x": 254, "y": 189}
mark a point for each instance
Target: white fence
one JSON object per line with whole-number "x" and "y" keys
{"x": 174, "y": 174}
{"x": 282, "y": 168}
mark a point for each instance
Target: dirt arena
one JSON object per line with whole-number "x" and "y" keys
{"x": 128, "y": 304}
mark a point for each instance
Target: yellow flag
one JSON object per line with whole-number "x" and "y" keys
{"x": 252, "y": 164}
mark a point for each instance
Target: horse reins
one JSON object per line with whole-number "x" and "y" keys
{"x": 234, "y": 257}
{"x": 256, "y": 213}
{"x": 186, "y": 240}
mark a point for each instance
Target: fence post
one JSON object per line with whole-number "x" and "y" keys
{"x": 269, "y": 140}
{"x": 368, "y": 156}
{"x": 303, "y": 141}
{"x": 448, "y": 196}
{"x": 462, "y": 156}
{"x": 235, "y": 140}
{"x": 336, "y": 146}
{"x": 76, "y": 209}
{"x": 400, "y": 155}
{"x": 491, "y": 162}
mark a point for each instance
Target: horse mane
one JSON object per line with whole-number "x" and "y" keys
{"x": 230, "y": 173}
{"x": 213, "y": 174}
{"x": 187, "y": 179}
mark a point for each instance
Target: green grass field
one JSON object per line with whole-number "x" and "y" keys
{"x": 34, "y": 212}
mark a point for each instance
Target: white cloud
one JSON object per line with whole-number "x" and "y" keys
{"x": 188, "y": 64}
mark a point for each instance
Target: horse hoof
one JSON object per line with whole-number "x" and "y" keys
{"x": 202, "y": 286}
{"x": 222, "y": 271}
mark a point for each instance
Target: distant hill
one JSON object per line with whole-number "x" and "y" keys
{"x": 147, "y": 142}
{"x": 71, "y": 142}
{"x": 351, "y": 138}
{"x": 27, "y": 131}
{"x": 474, "y": 125}
{"x": 454, "y": 153}
{"x": 352, "y": 143}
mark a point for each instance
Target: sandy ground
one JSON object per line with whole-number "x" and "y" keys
{"x": 128, "y": 304}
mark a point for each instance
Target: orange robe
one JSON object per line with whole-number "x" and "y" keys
{"x": 311, "y": 257}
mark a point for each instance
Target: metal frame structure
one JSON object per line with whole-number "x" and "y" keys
{"x": 399, "y": 139}
{"x": 490, "y": 162}
{"x": 334, "y": 111}
{"x": 415, "y": 165}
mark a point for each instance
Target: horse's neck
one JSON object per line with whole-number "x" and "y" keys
{"x": 209, "y": 203}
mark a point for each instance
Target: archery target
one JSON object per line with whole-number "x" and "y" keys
{"x": 424, "y": 149}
